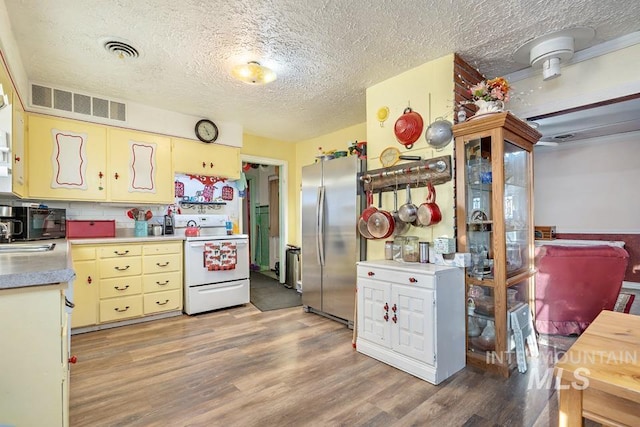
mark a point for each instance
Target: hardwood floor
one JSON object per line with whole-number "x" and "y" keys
{"x": 243, "y": 367}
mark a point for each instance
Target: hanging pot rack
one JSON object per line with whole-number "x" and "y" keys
{"x": 436, "y": 170}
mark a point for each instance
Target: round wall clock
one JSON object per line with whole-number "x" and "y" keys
{"x": 206, "y": 131}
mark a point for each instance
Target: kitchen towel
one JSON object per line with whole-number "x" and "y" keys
{"x": 221, "y": 255}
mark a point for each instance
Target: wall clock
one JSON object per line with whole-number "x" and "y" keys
{"x": 206, "y": 131}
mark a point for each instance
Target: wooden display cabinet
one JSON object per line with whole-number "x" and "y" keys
{"x": 494, "y": 211}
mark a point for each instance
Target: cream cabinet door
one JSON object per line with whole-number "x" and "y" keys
{"x": 19, "y": 181}
{"x": 139, "y": 167}
{"x": 66, "y": 159}
{"x": 194, "y": 157}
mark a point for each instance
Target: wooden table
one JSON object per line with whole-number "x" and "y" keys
{"x": 600, "y": 374}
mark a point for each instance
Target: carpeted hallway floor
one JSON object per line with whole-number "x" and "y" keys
{"x": 268, "y": 294}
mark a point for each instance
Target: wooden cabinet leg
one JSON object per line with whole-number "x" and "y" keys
{"x": 570, "y": 405}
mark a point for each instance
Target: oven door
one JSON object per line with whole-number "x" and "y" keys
{"x": 199, "y": 268}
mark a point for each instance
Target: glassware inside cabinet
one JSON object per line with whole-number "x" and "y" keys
{"x": 516, "y": 211}
{"x": 478, "y": 183}
{"x": 480, "y": 318}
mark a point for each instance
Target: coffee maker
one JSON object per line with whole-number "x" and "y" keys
{"x": 9, "y": 226}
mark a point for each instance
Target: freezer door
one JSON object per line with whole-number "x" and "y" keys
{"x": 340, "y": 240}
{"x": 311, "y": 268}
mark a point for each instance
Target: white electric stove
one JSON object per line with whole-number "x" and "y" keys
{"x": 216, "y": 265}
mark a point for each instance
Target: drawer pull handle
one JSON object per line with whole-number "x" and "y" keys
{"x": 89, "y": 279}
{"x": 413, "y": 280}
{"x": 386, "y": 317}
{"x": 166, "y": 282}
{"x": 121, "y": 311}
{"x": 386, "y": 307}
{"x": 117, "y": 288}
{"x": 162, "y": 303}
{"x": 68, "y": 303}
{"x": 394, "y": 308}
{"x": 121, "y": 253}
{"x": 162, "y": 265}
{"x": 395, "y": 319}
{"x": 371, "y": 273}
{"x": 122, "y": 268}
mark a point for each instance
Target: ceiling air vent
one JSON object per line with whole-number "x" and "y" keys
{"x": 77, "y": 103}
{"x": 121, "y": 49}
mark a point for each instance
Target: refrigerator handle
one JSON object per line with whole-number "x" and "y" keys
{"x": 320, "y": 218}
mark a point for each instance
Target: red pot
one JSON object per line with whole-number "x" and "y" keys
{"x": 429, "y": 212}
{"x": 408, "y": 127}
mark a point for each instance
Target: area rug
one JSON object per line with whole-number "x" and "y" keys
{"x": 624, "y": 303}
{"x": 269, "y": 294}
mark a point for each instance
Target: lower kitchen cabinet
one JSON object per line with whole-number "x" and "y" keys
{"x": 34, "y": 379}
{"x": 126, "y": 281}
{"x": 411, "y": 316}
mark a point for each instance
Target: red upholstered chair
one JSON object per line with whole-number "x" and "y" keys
{"x": 574, "y": 284}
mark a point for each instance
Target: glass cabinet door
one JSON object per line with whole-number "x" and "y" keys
{"x": 480, "y": 215}
{"x": 516, "y": 208}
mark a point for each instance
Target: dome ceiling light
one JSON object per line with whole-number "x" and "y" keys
{"x": 253, "y": 73}
{"x": 547, "y": 52}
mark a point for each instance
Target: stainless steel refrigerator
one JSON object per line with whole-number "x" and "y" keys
{"x": 331, "y": 246}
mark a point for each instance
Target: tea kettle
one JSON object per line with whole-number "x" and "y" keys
{"x": 192, "y": 229}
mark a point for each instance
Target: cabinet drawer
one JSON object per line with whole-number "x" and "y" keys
{"x": 394, "y": 276}
{"x": 120, "y": 286}
{"x": 162, "y": 248}
{"x": 120, "y": 251}
{"x": 83, "y": 253}
{"x": 120, "y": 308}
{"x": 162, "y": 263}
{"x": 162, "y": 301}
{"x": 162, "y": 282}
{"x": 120, "y": 267}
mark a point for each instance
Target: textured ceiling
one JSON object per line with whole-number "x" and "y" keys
{"x": 325, "y": 52}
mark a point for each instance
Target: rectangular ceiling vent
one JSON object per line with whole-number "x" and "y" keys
{"x": 70, "y": 102}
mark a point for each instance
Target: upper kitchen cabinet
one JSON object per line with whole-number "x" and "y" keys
{"x": 66, "y": 159}
{"x": 19, "y": 172}
{"x": 194, "y": 157}
{"x": 494, "y": 190}
{"x": 139, "y": 167}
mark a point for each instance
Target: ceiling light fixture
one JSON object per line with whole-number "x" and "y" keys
{"x": 253, "y": 73}
{"x": 547, "y": 52}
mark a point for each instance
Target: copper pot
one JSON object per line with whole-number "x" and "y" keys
{"x": 380, "y": 224}
{"x": 429, "y": 213}
{"x": 408, "y": 127}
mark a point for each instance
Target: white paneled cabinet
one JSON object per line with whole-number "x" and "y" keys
{"x": 410, "y": 317}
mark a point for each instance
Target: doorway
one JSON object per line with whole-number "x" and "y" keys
{"x": 264, "y": 214}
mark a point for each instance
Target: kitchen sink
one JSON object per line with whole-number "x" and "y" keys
{"x": 13, "y": 248}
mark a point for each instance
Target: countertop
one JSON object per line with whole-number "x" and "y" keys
{"x": 24, "y": 269}
{"x": 125, "y": 238}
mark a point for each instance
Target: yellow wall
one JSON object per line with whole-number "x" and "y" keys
{"x": 412, "y": 88}
{"x": 307, "y": 150}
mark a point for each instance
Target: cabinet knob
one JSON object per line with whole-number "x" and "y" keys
{"x": 386, "y": 317}
{"x": 100, "y": 174}
{"x": 413, "y": 280}
{"x": 395, "y": 319}
{"x": 394, "y": 308}
{"x": 386, "y": 307}
{"x": 371, "y": 273}
{"x": 89, "y": 279}
{"x": 211, "y": 165}
{"x": 16, "y": 159}
{"x": 73, "y": 359}
{"x": 204, "y": 165}
{"x": 116, "y": 176}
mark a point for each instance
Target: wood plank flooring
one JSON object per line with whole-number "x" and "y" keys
{"x": 243, "y": 367}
